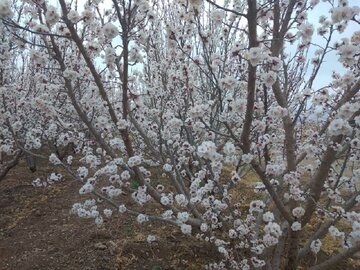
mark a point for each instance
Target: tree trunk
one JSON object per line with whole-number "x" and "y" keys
{"x": 5, "y": 167}
{"x": 293, "y": 241}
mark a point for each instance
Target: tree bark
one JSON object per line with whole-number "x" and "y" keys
{"x": 7, "y": 166}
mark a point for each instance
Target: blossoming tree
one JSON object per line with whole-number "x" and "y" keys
{"x": 175, "y": 103}
{"x": 17, "y": 91}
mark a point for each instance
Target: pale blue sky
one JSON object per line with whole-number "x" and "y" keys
{"x": 332, "y": 63}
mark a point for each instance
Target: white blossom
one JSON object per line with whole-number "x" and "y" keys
{"x": 256, "y": 55}
{"x": 134, "y": 161}
{"x": 315, "y": 246}
{"x": 339, "y": 127}
{"x": 51, "y": 15}
{"x": 151, "y": 238}
{"x": 99, "y": 221}
{"x": 298, "y": 212}
{"x": 269, "y": 78}
{"x": 122, "y": 208}
{"x": 87, "y": 188}
{"x": 218, "y": 15}
{"x": 73, "y": 16}
{"x": 183, "y": 217}
{"x": 268, "y": 217}
{"x": 296, "y": 226}
{"x": 54, "y": 159}
{"x": 141, "y": 218}
{"x": 247, "y": 158}
{"x": 107, "y": 212}
{"x": 110, "y": 31}
{"x": 185, "y": 228}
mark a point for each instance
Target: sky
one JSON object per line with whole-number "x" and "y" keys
{"x": 332, "y": 63}
{"x": 324, "y": 76}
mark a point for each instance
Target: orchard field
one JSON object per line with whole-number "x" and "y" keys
{"x": 180, "y": 134}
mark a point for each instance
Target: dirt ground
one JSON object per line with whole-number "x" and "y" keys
{"x": 37, "y": 232}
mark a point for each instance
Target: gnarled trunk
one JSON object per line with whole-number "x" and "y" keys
{"x": 5, "y": 167}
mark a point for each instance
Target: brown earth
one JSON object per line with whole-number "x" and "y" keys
{"x": 37, "y": 232}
